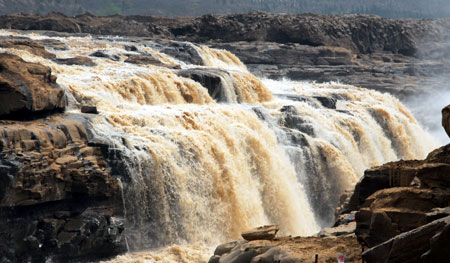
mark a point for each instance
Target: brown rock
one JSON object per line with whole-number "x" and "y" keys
{"x": 79, "y": 60}
{"x": 29, "y": 45}
{"x": 53, "y": 166}
{"x": 148, "y": 59}
{"x": 261, "y": 233}
{"x": 289, "y": 250}
{"x": 27, "y": 88}
{"x": 446, "y": 119}
{"x": 392, "y": 211}
{"x": 410, "y": 246}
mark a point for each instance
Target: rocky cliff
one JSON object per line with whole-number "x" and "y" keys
{"x": 401, "y": 56}
{"x": 57, "y": 197}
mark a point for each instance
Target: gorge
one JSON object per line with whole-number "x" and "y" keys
{"x": 186, "y": 148}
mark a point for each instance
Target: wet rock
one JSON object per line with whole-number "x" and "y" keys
{"x": 103, "y": 54}
{"x": 327, "y": 102}
{"x": 182, "y": 51}
{"x": 34, "y": 47}
{"x": 79, "y": 60}
{"x": 130, "y": 48}
{"x": 215, "y": 80}
{"x": 89, "y": 109}
{"x": 148, "y": 59}
{"x": 53, "y": 43}
{"x": 27, "y": 89}
{"x": 261, "y": 233}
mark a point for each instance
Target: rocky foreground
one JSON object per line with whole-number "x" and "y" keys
{"x": 401, "y": 56}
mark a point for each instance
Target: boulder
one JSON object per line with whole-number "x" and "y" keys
{"x": 288, "y": 250}
{"x": 27, "y": 89}
{"x": 425, "y": 241}
{"x": 446, "y": 119}
{"x": 261, "y": 233}
{"x": 341, "y": 230}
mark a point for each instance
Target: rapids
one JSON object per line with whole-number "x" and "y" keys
{"x": 195, "y": 171}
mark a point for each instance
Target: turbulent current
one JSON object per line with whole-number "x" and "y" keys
{"x": 207, "y": 151}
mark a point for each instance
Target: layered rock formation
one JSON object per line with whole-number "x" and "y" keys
{"x": 401, "y": 56}
{"x": 57, "y": 197}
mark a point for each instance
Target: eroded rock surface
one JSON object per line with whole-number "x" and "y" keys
{"x": 423, "y": 244}
{"x": 27, "y": 89}
{"x": 288, "y": 249}
{"x": 57, "y": 198}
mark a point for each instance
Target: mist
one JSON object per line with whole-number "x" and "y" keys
{"x": 427, "y": 110}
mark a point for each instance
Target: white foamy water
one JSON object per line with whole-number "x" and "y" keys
{"x": 199, "y": 172}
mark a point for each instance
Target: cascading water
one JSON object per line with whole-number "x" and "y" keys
{"x": 199, "y": 172}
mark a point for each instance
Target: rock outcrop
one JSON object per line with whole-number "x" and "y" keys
{"x": 428, "y": 243}
{"x": 57, "y": 199}
{"x": 288, "y": 249}
{"x": 261, "y": 233}
{"x": 27, "y": 89}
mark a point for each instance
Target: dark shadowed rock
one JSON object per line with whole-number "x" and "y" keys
{"x": 103, "y": 54}
{"x": 410, "y": 246}
{"x": 215, "y": 80}
{"x": 261, "y": 233}
{"x": 446, "y": 119}
{"x": 57, "y": 198}
{"x": 27, "y": 89}
{"x": 89, "y": 109}
{"x": 438, "y": 247}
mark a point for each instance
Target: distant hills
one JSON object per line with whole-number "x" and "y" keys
{"x": 385, "y": 8}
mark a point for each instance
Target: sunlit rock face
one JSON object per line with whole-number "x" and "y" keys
{"x": 184, "y": 153}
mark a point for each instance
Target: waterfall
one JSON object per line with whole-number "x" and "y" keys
{"x": 201, "y": 164}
